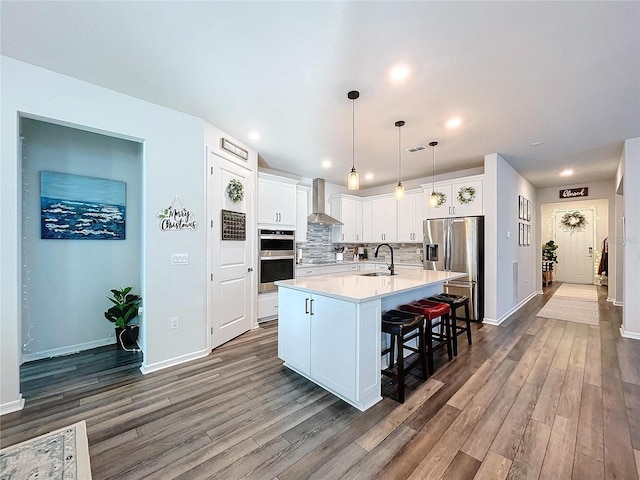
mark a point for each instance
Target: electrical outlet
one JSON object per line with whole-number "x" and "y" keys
{"x": 175, "y": 322}
{"x": 179, "y": 259}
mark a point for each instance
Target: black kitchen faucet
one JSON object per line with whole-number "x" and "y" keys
{"x": 391, "y": 267}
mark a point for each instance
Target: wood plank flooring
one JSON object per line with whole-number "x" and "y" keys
{"x": 534, "y": 398}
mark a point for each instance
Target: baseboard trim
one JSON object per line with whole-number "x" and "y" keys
{"x": 625, "y": 334}
{"x": 618, "y": 304}
{"x": 57, "y": 352}
{"x": 11, "y": 407}
{"x": 611, "y": 299}
{"x": 172, "y": 362}
{"x": 497, "y": 322}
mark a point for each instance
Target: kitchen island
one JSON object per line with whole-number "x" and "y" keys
{"x": 329, "y": 326}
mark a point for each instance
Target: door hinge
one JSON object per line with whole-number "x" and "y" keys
{"x": 211, "y": 223}
{"x": 211, "y": 170}
{"x": 212, "y": 277}
{"x": 211, "y": 330}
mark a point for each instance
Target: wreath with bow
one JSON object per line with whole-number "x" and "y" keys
{"x": 466, "y": 195}
{"x": 235, "y": 190}
{"x": 573, "y": 222}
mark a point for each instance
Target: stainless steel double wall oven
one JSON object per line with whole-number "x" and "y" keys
{"x": 277, "y": 257}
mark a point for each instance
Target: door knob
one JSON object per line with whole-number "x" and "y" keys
{"x": 249, "y": 269}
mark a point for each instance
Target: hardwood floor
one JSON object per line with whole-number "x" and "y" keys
{"x": 534, "y": 398}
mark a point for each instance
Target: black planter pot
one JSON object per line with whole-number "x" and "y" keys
{"x": 127, "y": 337}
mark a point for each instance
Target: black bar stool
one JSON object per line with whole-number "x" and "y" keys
{"x": 455, "y": 302}
{"x": 398, "y": 324}
{"x": 432, "y": 311}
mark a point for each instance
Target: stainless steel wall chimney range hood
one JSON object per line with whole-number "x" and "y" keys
{"x": 318, "y": 216}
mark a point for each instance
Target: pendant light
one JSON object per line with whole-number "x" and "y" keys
{"x": 433, "y": 200}
{"x": 399, "y": 187}
{"x": 353, "y": 179}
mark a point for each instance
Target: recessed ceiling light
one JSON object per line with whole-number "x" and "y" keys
{"x": 253, "y": 135}
{"x": 567, "y": 172}
{"x": 454, "y": 122}
{"x": 399, "y": 73}
{"x": 326, "y": 164}
{"x": 369, "y": 176}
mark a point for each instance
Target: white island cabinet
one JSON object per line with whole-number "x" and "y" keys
{"x": 329, "y": 326}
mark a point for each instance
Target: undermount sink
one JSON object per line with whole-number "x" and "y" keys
{"x": 375, "y": 274}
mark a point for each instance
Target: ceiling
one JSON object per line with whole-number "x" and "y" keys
{"x": 516, "y": 73}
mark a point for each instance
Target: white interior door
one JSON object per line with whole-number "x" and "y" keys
{"x": 231, "y": 308}
{"x": 575, "y": 251}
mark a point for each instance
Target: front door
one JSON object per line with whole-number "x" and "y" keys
{"x": 575, "y": 250}
{"x": 231, "y": 260}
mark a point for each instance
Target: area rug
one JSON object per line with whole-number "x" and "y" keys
{"x": 573, "y": 303}
{"x": 60, "y": 455}
{"x": 578, "y": 292}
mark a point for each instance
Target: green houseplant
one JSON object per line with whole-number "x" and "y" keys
{"x": 122, "y": 313}
{"x": 549, "y": 252}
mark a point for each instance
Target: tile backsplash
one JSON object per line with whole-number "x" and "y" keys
{"x": 320, "y": 249}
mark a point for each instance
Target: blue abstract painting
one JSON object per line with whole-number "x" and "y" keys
{"x": 81, "y": 208}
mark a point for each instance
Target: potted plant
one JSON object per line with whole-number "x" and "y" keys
{"x": 122, "y": 313}
{"x": 549, "y": 252}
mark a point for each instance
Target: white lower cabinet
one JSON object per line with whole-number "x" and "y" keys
{"x": 333, "y": 342}
{"x": 267, "y": 306}
{"x": 294, "y": 330}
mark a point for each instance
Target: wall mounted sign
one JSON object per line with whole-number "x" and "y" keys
{"x": 234, "y": 225}
{"x": 235, "y": 149}
{"x": 176, "y": 217}
{"x": 73, "y": 207}
{"x": 574, "y": 192}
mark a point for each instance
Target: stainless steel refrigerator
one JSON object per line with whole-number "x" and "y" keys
{"x": 457, "y": 244}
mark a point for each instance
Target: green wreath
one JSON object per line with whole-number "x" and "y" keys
{"x": 441, "y": 198}
{"x": 235, "y": 190}
{"x": 466, "y": 195}
{"x": 573, "y": 222}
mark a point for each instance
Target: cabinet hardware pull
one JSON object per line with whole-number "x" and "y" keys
{"x": 306, "y": 305}
{"x": 311, "y": 307}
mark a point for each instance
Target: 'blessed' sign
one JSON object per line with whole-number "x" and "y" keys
{"x": 574, "y": 192}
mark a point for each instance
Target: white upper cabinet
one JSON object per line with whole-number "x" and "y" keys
{"x": 411, "y": 213}
{"x": 276, "y": 201}
{"x": 460, "y": 198}
{"x": 384, "y": 214}
{"x": 348, "y": 210}
{"x": 302, "y": 212}
{"x": 367, "y": 220}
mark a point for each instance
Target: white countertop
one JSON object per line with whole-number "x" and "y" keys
{"x": 355, "y": 287}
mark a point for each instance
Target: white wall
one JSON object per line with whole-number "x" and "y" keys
{"x": 631, "y": 239}
{"x": 66, "y": 281}
{"x": 172, "y": 165}
{"x": 503, "y": 296}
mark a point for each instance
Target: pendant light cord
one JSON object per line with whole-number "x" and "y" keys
{"x": 399, "y": 156}
{"x": 433, "y": 167}
{"x": 353, "y": 133}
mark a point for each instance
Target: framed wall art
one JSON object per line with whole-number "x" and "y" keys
{"x": 520, "y": 207}
{"x": 73, "y": 207}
